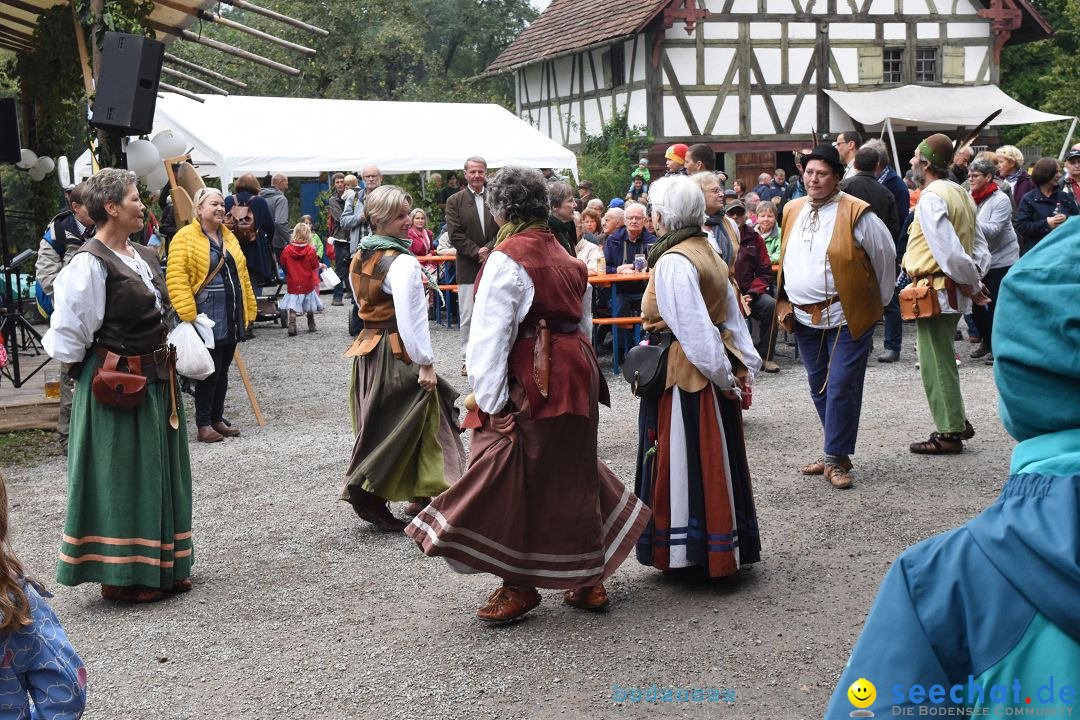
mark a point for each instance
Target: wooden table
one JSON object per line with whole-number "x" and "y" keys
{"x": 612, "y": 280}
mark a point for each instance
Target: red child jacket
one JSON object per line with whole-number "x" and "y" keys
{"x": 300, "y": 264}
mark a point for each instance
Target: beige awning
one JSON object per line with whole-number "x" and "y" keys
{"x": 931, "y": 108}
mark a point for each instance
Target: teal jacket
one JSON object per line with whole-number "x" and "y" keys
{"x": 985, "y": 618}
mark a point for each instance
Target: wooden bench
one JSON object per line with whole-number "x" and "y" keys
{"x": 615, "y": 323}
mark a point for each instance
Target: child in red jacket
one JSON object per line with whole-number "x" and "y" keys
{"x": 301, "y": 263}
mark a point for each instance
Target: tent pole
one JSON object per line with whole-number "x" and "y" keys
{"x": 1068, "y": 137}
{"x": 892, "y": 140}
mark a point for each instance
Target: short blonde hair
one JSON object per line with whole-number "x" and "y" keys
{"x": 384, "y": 202}
{"x": 351, "y": 181}
{"x": 204, "y": 192}
{"x": 1011, "y": 152}
{"x": 418, "y": 210}
{"x": 301, "y": 232}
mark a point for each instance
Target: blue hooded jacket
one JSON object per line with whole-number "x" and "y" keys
{"x": 986, "y": 617}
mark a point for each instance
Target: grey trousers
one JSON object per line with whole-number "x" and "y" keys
{"x": 465, "y": 305}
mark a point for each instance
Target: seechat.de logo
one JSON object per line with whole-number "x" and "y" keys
{"x": 861, "y": 694}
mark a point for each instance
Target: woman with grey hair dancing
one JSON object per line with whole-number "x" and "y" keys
{"x": 692, "y": 468}
{"x": 536, "y": 507}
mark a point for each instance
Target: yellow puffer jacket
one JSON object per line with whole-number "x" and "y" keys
{"x": 189, "y": 263}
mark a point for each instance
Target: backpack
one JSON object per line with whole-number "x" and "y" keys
{"x": 241, "y": 222}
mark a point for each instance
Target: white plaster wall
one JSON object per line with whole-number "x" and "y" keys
{"x": 783, "y": 104}
{"x": 533, "y": 76}
{"x": 700, "y": 107}
{"x": 769, "y": 62}
{"x": 684, "y": 63}
{"x": 637, "y": 62}
{"x": 727, "y": 122}
{"x": 802, "y": 31}
{"x": 717, "y": 62}
{"x": 560, "y": 82}
{"x": 592, "y": 117}
{"x": 973, "y": 60}
{"x": 847, "y": 59}
{"x": 895, "y": 31}
{"x": 785, "y": 7}
{"x": 636, "y": 114}
{"x": 927, "y": 31}
{"x": 967, "y": 7}
{"x": 915, "y": 7}
{"x": 570, "y": 113}
{"x": 764, "y": 31}
{"x": 760, "y": 122}
{"x": 674, "y": 123}
{"x": 968, "y": 30}
{"x": 882, "y": 7}
{"x": 798, "y": 59}
{"x": 806, "y": 117}
{"x": 721, "y": 30}
{"x": 714, "y": 6}
{"x": 851, "y": 31}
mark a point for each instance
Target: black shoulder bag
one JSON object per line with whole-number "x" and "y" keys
{"x": 645, "y": 366}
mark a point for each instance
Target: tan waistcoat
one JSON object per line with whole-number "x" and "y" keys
{"x": 374, "y": 306}
{"x": 713, "y": 279}
{"x": 856, "y": 281}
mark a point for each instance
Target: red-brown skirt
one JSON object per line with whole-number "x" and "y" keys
{"x": 536, "y": 506}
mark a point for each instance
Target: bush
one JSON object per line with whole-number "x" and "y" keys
{"x": 606, "y": 160}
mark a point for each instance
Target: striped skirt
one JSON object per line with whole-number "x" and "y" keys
{"x": 693, "y": 473}
{"x": 535, "y": 507}
{"x": 129, "y": 491}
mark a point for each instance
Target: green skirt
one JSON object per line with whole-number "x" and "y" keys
{"x": 407, "y": 441}
{"x": 129, "y": 491}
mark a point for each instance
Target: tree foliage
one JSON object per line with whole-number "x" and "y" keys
{"x": 607, "y": 159}
{"x": 377, "y": 49}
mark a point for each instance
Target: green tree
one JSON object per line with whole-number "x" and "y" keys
{"x": 607, "y": 159}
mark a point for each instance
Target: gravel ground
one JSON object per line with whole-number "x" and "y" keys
{"x": 300, "y": 610}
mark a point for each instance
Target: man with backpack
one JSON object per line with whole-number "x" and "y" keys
{"x": 63, "y": 237}
{"x": 279, "y": 208}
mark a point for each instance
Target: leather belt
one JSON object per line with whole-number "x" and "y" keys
{"x": 950, "y": 285}
{"x": 814, "y": 310}
{"x": 158, "y": 357}
{"x": 388, "y": 325}
{"x": 542, "y": 349}
{"x": 528, "y": 332}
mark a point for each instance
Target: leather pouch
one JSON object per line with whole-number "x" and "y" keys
{"x": 116, "y": 388}
{"x": 785, "y": 314}
{"x": 918, "y": 301}
{"x": 645, "y": 367}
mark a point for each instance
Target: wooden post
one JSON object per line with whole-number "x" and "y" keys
{"x": 250, "y": 390}
{"x": 225, "y": 48}
{"x": 84, "y": 56}
{"x": 211, "y": 17}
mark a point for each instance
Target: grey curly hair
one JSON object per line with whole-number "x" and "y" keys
{"x": 518, "y": 194}
{"x": 108, "y": 186}
{"x": 983, "y": 167}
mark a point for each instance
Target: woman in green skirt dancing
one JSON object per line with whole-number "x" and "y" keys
{"x": 128, "y": 521}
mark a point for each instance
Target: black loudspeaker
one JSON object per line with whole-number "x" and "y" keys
{"x": 128, "y": 83}
{"x": 9, "y": 132}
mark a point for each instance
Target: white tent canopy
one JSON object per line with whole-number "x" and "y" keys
{"x": 235, "y": 134}
{"x": 937, "y": 107}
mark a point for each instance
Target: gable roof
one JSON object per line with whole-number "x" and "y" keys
{"x": 570, "y": 25}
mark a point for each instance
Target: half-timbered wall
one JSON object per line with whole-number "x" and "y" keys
{"x": 750, "y": 71}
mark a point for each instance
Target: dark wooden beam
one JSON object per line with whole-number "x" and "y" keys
{"x": 225, "y": 22}
{"x": 225, "y": 48}
{"x": 188, "y": 65}
{"x": 244, "y": 5}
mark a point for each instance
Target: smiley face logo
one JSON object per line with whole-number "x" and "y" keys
{"x": 862, "y": 693}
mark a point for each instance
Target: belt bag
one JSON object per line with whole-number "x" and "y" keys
{"x": 116, "y": 388}
{"x": 645, "y": 367}
{"x": 919, "y": 301}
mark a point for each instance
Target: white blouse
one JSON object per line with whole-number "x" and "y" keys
{"x": 681, "y": 305}
{"x": 79, "y": 304}
{"x": 405, "y": 281}
{"x": 503, "y": 299}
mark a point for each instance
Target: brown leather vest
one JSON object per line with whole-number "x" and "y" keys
{"x": 856, "y": 281}
{"x": 133, "y": 325}
{"x": 713, "y": 279}
{"x": 375, "y": 307}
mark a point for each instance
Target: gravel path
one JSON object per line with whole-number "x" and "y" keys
{"x": 302, "y": 611}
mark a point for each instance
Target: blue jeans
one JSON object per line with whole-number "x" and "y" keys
{"x": 835, "y": 355}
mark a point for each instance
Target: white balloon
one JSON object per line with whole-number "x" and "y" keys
{"x": 28, "y": 158}
{"x": 170, "y": 143}
{"x": 45, "y": 164}
{"x": 157, "y": 179}
{"x": 142, "y": 157}
{"x": 37, "y": 174}
{"x": 63, "y": 171}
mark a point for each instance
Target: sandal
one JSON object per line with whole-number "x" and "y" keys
{"x": 131, "y": 593}
{"x": 939, "y": 444}
{"x": 839, "y": 477}
{"x": 818, "y": 467}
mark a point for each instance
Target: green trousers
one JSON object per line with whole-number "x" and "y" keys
{"x": 937, "y": 365}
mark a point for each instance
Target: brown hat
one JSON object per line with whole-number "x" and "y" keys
{"x": 937, "y": 149}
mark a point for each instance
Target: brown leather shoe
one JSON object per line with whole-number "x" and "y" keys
{"x": 225, "y": 429}
{"x": 940, "y": 444}
{"x": 208, "y": 434}
{"x": 818, "y": 467}
{"x": 373, "y": 509}
{"x": 839, "y": 477}
{"x": 131, "y": 593}
{"x": 590, "y": 597}
{"x": 182, "y": 585}
{"x": 508, "y": 603}
{"x": 417, "y": 506}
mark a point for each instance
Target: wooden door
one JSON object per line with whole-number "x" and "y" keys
{"x": 748, "y": 165}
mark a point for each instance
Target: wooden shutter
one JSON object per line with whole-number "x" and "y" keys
{"x": 952, "y": 65}
{"x": 871, "y": 67}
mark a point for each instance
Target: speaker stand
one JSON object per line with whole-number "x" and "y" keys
{"x": 17, "y": 331}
